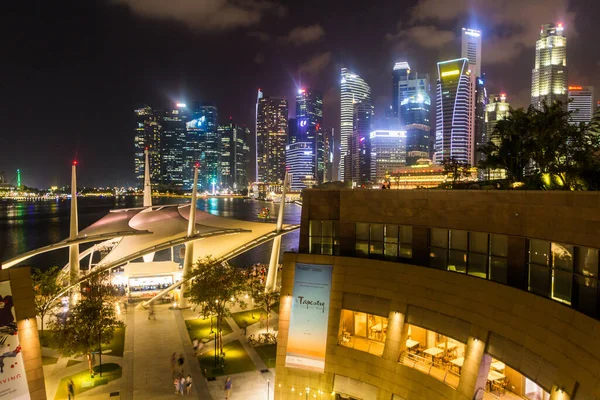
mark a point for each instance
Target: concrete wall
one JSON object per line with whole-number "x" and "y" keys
{"x": 569, "y": 217}
{"x": 23, "y": 298}
{"x": 548, "y": 341}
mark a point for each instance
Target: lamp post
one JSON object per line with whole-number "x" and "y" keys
{"x": 268, "y": 382}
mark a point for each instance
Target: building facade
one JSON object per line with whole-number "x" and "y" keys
{"x": 581, "y": 103}
{"x": 406, "y": 300}
{"x": 271, "y": 138}
{"x": 299, "y": 158}
{"x": 234, "y": 156}
{"x": 550, "y": 74}
{"x": 309, "y": 119}
{"x": 497, "y": 109}
{"x": 173, "y": 137}
{"x": 388, "y": 152}
{"x": 471, "y": 49}
{"x": 358, "y": 160}
{"x": 455, "y": 127}
{"x": 147, "y": 135}
{"x": 202, "y": 146}
{"x": 353, "y": 90}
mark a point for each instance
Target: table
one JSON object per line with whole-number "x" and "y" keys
{"x": 451, "y": 345}
{"x": 433, "y": 352}
{"x": 498, "y": 365}
{"x": 377, "y": 327}
{"x": 494, "y": 376}
{"x": 458, "y": 362}
{"x": 411, "y": 343}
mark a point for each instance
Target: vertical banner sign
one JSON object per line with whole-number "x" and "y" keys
{"x": 13, "y": 381}
{"x": 307, "y": 339}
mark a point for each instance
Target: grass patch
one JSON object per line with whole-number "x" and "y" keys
{"x": 199, "y": 328}
{"x": 244, "y": 318}
{"x": 236, "y": 361}
{"x": 116, "y": 345}
{"x": 70, "y": 363}
{"x": 83, "y": 382}
{"x": 49, "y": 360}
{"x": 267, "y": 353}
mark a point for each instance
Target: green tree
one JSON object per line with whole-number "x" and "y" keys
{"x": 45, "y": 287}
{"x": 89, "y": 323}
{"x": 267, "y": 300}
{"x": 456, "y": 169}
{"x": 220, "y": 287}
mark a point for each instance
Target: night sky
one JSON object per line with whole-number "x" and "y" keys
{"x": 71, "y": 72}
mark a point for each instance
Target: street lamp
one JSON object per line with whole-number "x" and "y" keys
{"x": 268, "y": 389}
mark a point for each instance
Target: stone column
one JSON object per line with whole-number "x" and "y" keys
{"x": 475, "y": 369}
{"x": 393, "y": 339}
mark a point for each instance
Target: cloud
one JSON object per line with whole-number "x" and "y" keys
{"x": 316, "y": 64}
{"x": 262, "y": 36}
{"x": 259, "y": 58}
{"x": 304, "y": 34}
{"x": 209, "y": 15}
{"x": 508, "y": 26}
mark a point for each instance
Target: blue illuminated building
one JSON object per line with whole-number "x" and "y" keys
{"x": 203, "y": 146}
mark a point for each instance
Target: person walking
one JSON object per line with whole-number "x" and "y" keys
{"x": 71, "y": 389}
{"x": 195, "y": 342}
{"x": 188, "y": 384}
{"x": 228, "y": 386}
{"x": 182, "y": 385}
{"x": 180, "y": 362}
{"x": 176, "y": 384}
{"x": 173, "y": 363}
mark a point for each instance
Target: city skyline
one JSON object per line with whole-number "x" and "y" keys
{"x": 89, "y": 82}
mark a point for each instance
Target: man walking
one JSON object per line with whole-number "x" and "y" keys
{"x": 228, "y": 386}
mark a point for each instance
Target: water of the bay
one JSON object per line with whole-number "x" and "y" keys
{"x": 25, "y": 226}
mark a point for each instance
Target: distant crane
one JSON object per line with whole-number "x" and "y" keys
{"x": 3, "y": 180}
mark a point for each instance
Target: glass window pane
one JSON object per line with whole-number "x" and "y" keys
{"x": 377, "y": 232}
{"x": 315, "y": 244}
{"x": 327, "y": 245}
{"x": 439, "y": 237}
{"x": 362, "y": 231}
{"x": 336, "y": 247}
{"x": 561, "y": 285}
{"x": 438, "y": 258}
{"x": 406, "y": 234}
{"x": 327, "y": 228}
{"x": 376, "y": 248}
{"x": 391, "y": 250}
{"x": 457, "y": 261}
{"x": 336, "y": 228}
{"x": 499, "y": 245}
{"x": 498, "y": 270}
{"x": 406, "y": 250}
{"x": 538, "y": 251}
{"x": 360, "y": 324}
{"x": 391, "y": 233}
{"x": 478, "y": 265}
{"x": 458, "y": 239}
{"x": 362, "y": 248}
{"x": 478, "y": 242}
{"x": 539, "y": 279}
{"x": 315, "y": 228}
{"x": 587, "y": 261}
{"x": 562, "y": 256}
{"x": 587, "y": 299}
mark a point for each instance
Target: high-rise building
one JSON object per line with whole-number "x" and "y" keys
{"x": 497, "y": 109}
{"x": 309, "y": 117}
{"x": 353, "y": 90}
{"x": 234, "y": 156}
{"x": 271, "y": 138}
{"x": 147, "y": 135}
{"x": 400, "y": 77}
{"x": 454, "y": 135}
{"x": 358, "y": 160}
{"x": 581, "y": 103}
{"x": 292, "y": 130}
{"x": 299, "y": 157}
{"x": 550, "y": 74}
{"x": 481, "y": 100}
{"x": 202, "y": 145}
{"x": 388, "y": 153}
{"x": 471, "y": 49}
{"x": 173, "y": 136}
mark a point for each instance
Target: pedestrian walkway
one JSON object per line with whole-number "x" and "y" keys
{"x": 246, "y": 386}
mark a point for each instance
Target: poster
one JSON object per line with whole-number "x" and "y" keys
{"x": 13, "y": 381}
{"x": 307, "y": 339}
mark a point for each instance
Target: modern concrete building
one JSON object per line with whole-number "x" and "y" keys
{"x": 173, "y": 137}
{"x": 581, "y": 103}
{"x": 353, "y": 90}
{"x": 549, "y": 76}
{"x": 299, "y": 159}
{"x": 309, "y": 117}
{"x": 388, "y": 154}
{"x": 357, "y": 162}
{"x": 202, "y": 145}
{"x": 471, "y": 49}
{"x": 234, "y": 156}
{"x": 460, "y": 295}
{"x": 497, "y": 109}
{"x": 455, "y": 125}
{"x": 147, "y": 136}
{"x": 271, "y": 138}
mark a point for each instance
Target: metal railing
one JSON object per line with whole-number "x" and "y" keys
{"x": 434, "y": 369}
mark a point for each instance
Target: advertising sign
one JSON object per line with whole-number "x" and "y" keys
{"x": 13, "y": 381}
{"x": 307, "y": 338}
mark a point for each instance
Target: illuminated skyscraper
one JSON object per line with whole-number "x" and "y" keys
{"x": 309, "y": 117}
{"x": 147, "y": 135}
{"x": 550, "y": 74}
{"x": 271, "y": 138}
{"x": 173, "y": 136}
{"x": 497, "y": 109}
{"x": 234, "y": 156}
{"x": 454, "y": 135}
{"x": 353, "y": 90}
{"x": 202, "y": 145}
{"x": 471, "y": 49}
{"x": 388, "y": 152}
{"x": 581, "y": 103}
{"x": 358, "y": 160}
{"x": 400, "y": 77}
{"x": 300, "y": 163}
